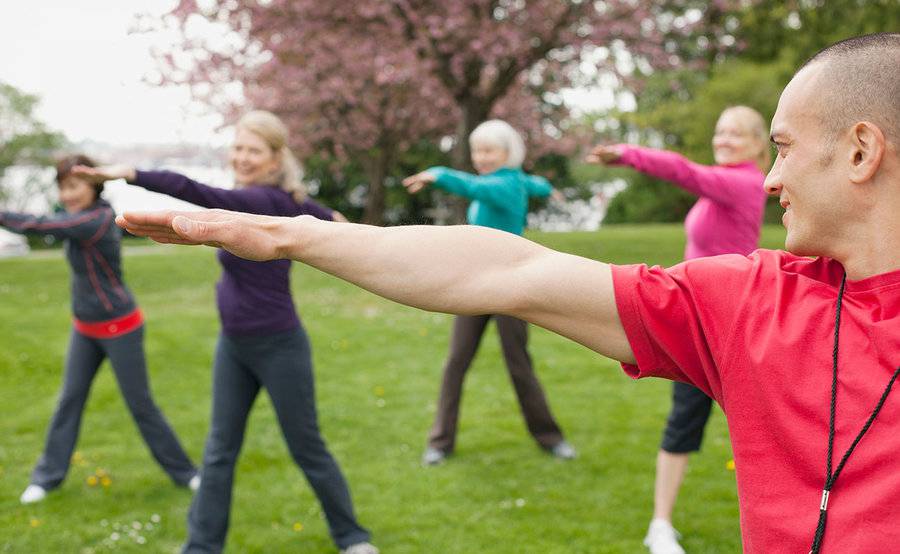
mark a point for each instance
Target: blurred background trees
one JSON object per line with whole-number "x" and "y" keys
{"x": 372, "y": 87}
{"x": 26, "y": 143}
{"x": 380, "y": 89}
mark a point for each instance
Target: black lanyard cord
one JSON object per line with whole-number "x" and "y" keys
{"x": 829, "y": 477}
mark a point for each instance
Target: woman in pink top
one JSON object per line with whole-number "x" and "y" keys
{"x": 726, "y": 219}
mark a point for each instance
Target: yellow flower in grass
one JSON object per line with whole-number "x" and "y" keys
{"x": 379, "y": 390}
{"x": 298, "y": 527}
{"x": 105, "y": 481}
{"x": 92, "y": 481}
{"x": 34, "y": 522}
{"x": 729, "y": 465}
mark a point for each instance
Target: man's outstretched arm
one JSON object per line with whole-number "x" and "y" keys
{"x": 461, "y": 270}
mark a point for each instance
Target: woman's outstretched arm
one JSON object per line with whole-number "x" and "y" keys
{"x": 462, "y": 270}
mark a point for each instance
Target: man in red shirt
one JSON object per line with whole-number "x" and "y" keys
{"x": 801, "y": 353}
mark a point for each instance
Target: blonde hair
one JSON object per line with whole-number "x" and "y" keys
{"x": 275, "y": 133}
{"x": 500, "y": 133}
{"x": 755, "y": 125}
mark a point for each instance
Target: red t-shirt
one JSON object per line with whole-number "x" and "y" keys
{"x": 756, "y": 333}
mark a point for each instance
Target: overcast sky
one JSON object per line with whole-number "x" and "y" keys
{"x": 79, "y": 57}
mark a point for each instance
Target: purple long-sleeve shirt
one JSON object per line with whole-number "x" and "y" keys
{"x": 254, "y": 298}
{"x": 727, "y": 217}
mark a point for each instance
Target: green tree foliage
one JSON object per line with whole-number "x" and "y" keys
{"x": 795, "y": 30}
{"x": 24, "y": 140}
{"x": 678, "y": 110}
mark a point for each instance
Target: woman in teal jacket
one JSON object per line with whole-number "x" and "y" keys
{"x": 499, "y": 195}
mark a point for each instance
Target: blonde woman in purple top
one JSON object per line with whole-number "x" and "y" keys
{"x": 726, "y": 219}
{"x": 262, "y": 344}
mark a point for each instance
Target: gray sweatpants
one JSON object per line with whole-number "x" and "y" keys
{"x": 126, "y": 355}
{"x": 281, "y": 363}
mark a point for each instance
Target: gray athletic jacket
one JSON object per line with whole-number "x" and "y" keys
{"x": 92, "y": 244}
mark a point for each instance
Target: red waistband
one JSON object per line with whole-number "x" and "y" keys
{"x": 111, "y": 328}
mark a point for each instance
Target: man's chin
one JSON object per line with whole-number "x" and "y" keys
{"x": 796, "y": 245}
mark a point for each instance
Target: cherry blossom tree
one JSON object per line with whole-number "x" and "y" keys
{"x": 362, "y": 79}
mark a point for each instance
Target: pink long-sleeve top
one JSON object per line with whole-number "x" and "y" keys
{"x": 728, "y": 215}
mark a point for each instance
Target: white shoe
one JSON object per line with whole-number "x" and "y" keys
{"x": 433, "y": 457}
{"x": 360, "y": 548}
{"x": 564, "y": 451}
{"x": 194, "y": 483}
{"x": 662, "y": 538}
{"x": 32, "y": 494}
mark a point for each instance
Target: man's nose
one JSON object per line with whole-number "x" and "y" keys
{"x": 772, "y": 184}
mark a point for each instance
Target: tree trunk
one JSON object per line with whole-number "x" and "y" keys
{"x": 377, "y": 166}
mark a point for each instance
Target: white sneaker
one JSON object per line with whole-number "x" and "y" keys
{"x": 32, "y": 494}
{"x": 360, "y": 548}
{"x": 662, "y": 538}
{"x": 194, "y": 483}
{"x": 564, "y": 451}
{"x": 433, "y": 457}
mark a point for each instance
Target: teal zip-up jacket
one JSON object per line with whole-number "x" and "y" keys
{"x": 499, "y": 199}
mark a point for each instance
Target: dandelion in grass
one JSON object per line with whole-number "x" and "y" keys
{"x": 92, "y": 481}
{"x": 34, "y": 522}
{"x": 729, "y": 465}
{"x": 378, "y": 390}
{"x": 298, "y": 527}
{"x": 105, "y": 482}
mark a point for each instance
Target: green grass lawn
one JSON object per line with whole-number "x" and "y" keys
{"x": 378, "y": 369}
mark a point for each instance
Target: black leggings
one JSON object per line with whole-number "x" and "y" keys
{"x": 687, "y": 420}
{"x": 126, "y": 355}
{"x": 282, "y": 364}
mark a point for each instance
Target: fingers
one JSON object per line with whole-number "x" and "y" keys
{"x": 89, "y": 173}
{"x": 417, "y": 182}
{"x": 204, "y": 232}
{"x": 147, "y": 224}
{"x": 603, "y": 154}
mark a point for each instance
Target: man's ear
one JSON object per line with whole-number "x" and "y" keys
{"x": 868, "y": 145}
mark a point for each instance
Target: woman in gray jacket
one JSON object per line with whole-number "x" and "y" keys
{"x": 106, "y": 324}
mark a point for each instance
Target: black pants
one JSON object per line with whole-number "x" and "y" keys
{"x": 687, "y": 420}
{"x": 282, "y": 364}
{"x": 126, "y": 355}
{"x": 467, "y": 333}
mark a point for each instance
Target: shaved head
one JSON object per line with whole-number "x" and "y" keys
{"x": 858, "y": 79}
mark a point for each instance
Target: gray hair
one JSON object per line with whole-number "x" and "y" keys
{"x": 500, "y": 133}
